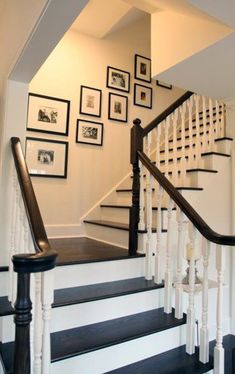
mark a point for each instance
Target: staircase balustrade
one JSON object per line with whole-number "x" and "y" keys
{"x": 31, "y": 292}
{"x": 182, "y": 133}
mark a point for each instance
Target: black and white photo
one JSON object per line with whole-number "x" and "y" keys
{"x": 46, "y": 157}
{"x": 142, "y": 96}
{"x": 89, "y": 132}
{"x": 48, "y": 114}
{"x": 118, "y": 107}
{"x": 90, "y": 101}
{"x": 118, "y": 79}
{"x": 142, "y": 68}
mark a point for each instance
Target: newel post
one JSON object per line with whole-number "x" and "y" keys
{"x": 22, "y": 320}
{"x": 136, "y": 145}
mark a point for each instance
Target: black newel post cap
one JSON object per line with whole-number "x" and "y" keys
{"x": 137, "y": 122}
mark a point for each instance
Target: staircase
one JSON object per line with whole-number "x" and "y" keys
{"x": 113, "y": 310}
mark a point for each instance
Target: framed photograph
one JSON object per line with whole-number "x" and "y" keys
{"x": 47, "y": 158}
{"x": 164, "y": 85}
{"x": 142, "y": 68}
{"x": 90, "y": 101}
{"x": 118, "y": 79}
{"x": 48, "y": 114}
{"x": 142, "y": 96}
{"x": 118, "y": 107}
{"x": 89, "y": 132}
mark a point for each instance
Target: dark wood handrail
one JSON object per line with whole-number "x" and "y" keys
{"x": 187, "y": 209}
{"x": 167, "y": 112}
{"x": 45, "y": 257}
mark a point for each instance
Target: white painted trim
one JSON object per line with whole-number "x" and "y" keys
{"x": 65, "y": 231}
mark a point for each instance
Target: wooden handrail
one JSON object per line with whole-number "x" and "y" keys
{"x": 167, "y": 112}
{"x": 187, "y": 209}
{"x": 45, "y": 257}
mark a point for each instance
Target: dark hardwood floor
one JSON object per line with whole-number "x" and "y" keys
{"x": 81, "y": 250}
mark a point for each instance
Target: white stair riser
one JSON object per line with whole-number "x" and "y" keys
{"x": 215, "y": 162}
{"x": 108, "y": 235}
{"x": 4, "y": 275}
{"x": 77, "y": 315}
{"x": 98, "y": 272}
{"x": 113, "y": 357}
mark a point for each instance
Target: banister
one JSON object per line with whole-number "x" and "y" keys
{"x": 187, "y": 209}
{"x": 45, "y": 257}
{"x": 167, "y": 112}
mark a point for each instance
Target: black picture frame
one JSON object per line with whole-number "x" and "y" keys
{"x": 142, "y": 68}
{"x": 89, "y": 136}
{"x": 46, "y": 157}
{"x": 90, "y": 101}
{"x": 164, "y": 85}
{"x": 118, "y": 79}
{"x": 143, "y": 96}
{"x": 118, "y": 107}
{"x": 47, "y": 114}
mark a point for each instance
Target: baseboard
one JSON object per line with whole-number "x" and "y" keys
{"x": 65, "y": 231}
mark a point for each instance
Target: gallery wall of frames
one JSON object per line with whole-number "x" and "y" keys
{"x": 51, "y": 115}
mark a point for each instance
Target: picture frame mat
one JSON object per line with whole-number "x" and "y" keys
{"x": 90, "y": 101}
{"x": 80, "y": 138}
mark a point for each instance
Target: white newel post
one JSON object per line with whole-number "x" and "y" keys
{"x": 141, "y": 224}
{"x": 180, "y": 253}
{"x": 190, "y": 338}
{"x": 47, "y": 300}
{"x": 204, "y": 331}
{"x": 168, "y": 273}
{"x": 158, "y": 265}
{"x": 219, "y": 350}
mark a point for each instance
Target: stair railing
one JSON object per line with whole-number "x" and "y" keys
{"x": 33, "y": 262}
{"x": 194, "y": 237}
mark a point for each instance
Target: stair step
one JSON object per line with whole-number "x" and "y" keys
{"x": 174, "y": 361}
{"x": 94, "y": 292}
{"x": 189, "y": 188}
{"x": 215, "y": 153}
{"x": 125, "y": 206}
{"x": 203, "y": 170}
{"x": 81, "y": 340}
{"x": 117, "y": 225}
{"x": 130, "y": 190}
{"x": 224, "y": 138}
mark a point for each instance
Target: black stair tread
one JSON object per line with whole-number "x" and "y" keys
{"x": 174, "y": 361}
{"x": 85, "y": 339}
{"x": 215, "y": 153}
{"x": 203, "y": 170}
{"x": 129, "y": 190}
{"x": 125, "y": 206}
{"x": 117, "y": 225}
{"x": 223, "y": 138}
{"x": 82, "y": 294}
{"x": 190, "y": 188}
{"x": 80, "y": 340}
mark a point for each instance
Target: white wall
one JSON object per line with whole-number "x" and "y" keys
{"x": 92, "y": 171}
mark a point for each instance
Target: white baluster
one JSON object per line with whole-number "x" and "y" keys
{"x": 141, "y": 224}
{"x": 149, "y": 256}
{"x": 180, "y": 253}
{"x": 217, "y": 124}
{"x": 223, "y": 121}
{"x": 166, "y": 169}
{"x": 158, "y": 146}
{"x": 183, "y": 159}
{"x": 219, "y": 350}
{"x": 168, "y": 273}
{"x": 174, "y": 143}
{"x": 211, "y": 125}
{"x": 204, "y": 331}
{"x": 47, "y": 300}
{"x": 204, "y": 119}
{"x": 37, "y": 325}
{"x": 190, "y": 340}
{"x": 198, "y": 136}
{"x": 190, "y": 131}
{"x": 158, "y": 264}
{"x": 12, "y": 277}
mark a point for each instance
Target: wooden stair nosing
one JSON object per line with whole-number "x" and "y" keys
{"x": 201, "y": 170}
{"x": 118, "y": 226}
{"x": 215, "y": 153}
{"x": 125, "y": 207}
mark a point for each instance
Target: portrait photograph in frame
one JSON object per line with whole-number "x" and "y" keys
{"x": 118, "y": 107}
{"x": 46, "y": 158}
{"x": 164, "y": 85}
{"x": 142, "y": 68}
{"x": 90, "y": 101}
{"x": 89, "y": 132}
{"x": 142, "y": 96}
{"x": 48, "y": 114}
{"x": 118, "y": 79}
